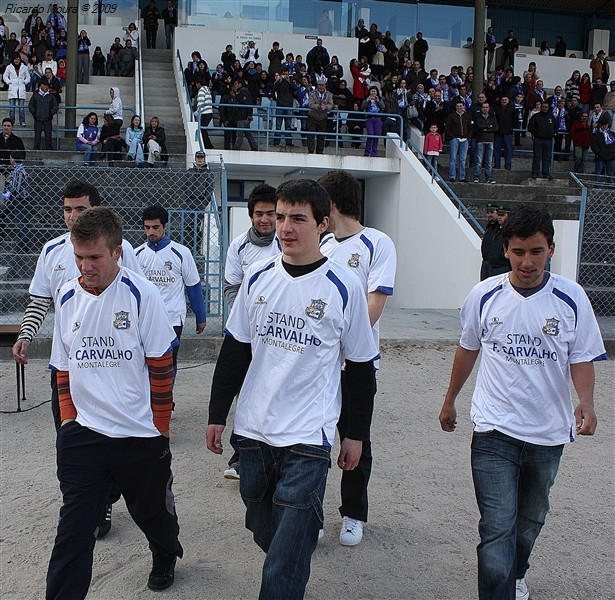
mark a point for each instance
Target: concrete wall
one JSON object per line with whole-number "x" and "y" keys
{"x": 438, "y": 253}
{"x": 564, "y": 261}
{"x": 553, "y": 70}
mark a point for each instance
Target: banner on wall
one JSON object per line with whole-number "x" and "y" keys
{"x": 241, "y": 43}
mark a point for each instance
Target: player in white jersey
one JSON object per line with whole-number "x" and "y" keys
{"x": 55, "y": 266}
{"x": 171, "y": 268}
{"x": 258, "y": 243}
{"x": 371, "y": 255}
{"x": 112, "y": 350}
{"x": 533, "y": 328}
{"x": 294, "y": 319}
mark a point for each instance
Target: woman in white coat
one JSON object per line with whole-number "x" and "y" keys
{"x": 17, "y": 77}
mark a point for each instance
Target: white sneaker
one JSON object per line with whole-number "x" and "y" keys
{"x": 232, "y": 472}
{"x": 352, "y": 532}
{"x": 522, "y": 592}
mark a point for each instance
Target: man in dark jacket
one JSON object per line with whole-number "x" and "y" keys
{"x": 436, "y": 111}
{"x": 245, "y": 117}
{"x": 492, "y": 243}
{"x": 603, "y": 146}
{"x": 284, "y": 91}
{"x": 543, "y": 126}
{"x": 317, "y": 58}
{"x": 43, "y": 106}
{"x": 484, "y": 128}
{"x": 150, "y": 15}
{"x": 507, "y": 121}
{"x": 421, "y": 47}
{"x": 510, "y": 45}
{"x": 415, "y": 76}
{"x": 275, "y": 56}
{"x": 458, "y": 133}
{"x": 230, "y": 115}
{"x": 9, "y": 142}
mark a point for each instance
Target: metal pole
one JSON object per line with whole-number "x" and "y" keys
{"x": 72, "y": 23}
{"x": 479, "y": 54}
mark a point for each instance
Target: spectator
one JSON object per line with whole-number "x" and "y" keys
{"x": 245, "y": 117}
{"x": 573, "y": 112}
{"x": 250, "y": 53}
{"x": 560, "y": 47}
{"x": 603, "y": 147}
{"x": 421, "y": 47}
{"x": 227, "y": 58}
{"x": 98, "y": 62}
{"x": 585, "y": 92}
{"x": 15, "y": 198}
{"x": 519, "y": 107}
{"x": 490, "y": 45}
{"x": 43, "y": 106}
{"x": 572, "y": 86}
{"x": 284, "y": 93}
{"x": 111, "y": 143}
{"x": 372, "y": 105}
{"x": 40, "y": 45}
{"x": 360, "y": 79}
{"x": 150, "y": 15}
{"x": 134, "y": 140}
{"x": 230, "y": 115}
{"x": 113, "y": 64}
{"x": 169, "y": 14}
{"x": 8, "y": 142}
{"x": 4, "y": 34}
{"x": 320, "y": 102}
{"x": 204, "y": 111}
{"x": 57, "y": 20}
{"x": 436, "y": 112}
{"x": 83, "y": 57}
{"x": 131, "y": 34}
{"x": 355, "y": 123}
{"x": 596, "y": 114}
{"x": 23, "y": 49}
{"x": 17, "y": 77}
{"x": 377, "y": 62}
{"x": 88, "y": 138}
{"x": 192, "y": 68}
{"x": 432, "y": 146}
{"x": 484, "y": 129}
{"x": 543, "y": 127}
{"x": 34, "y": 69}
{"x": 127, "y": 59}
{"x": 510, "y": 46}
{"x": 580, "y": 132}
{"x": 334, "y": 69}
{"x": 416, "y": 76}
{"x": 55, "y": 87}
{"x": 199, "y": 185}
{"x": 609, "y": 100}
{"x": 61, "y": 45}
{"x": 116, "y": 109}
{"x": 317, "y": 59}
{"x": 544, "y": 49}
{"x": 251, "y": 81}
{"x": 404, "y": 100}
{"x": 50, "y": 63}
{"x": 599, "y": 67}
{"x": 154, "y": 140}
{"x": 61, "y": 74}
{"x": 275, "y": 56}
{"x": 303, "y": 94}
{"x": 458, "y": 132}
{"x": 598, "y": 92}
{"x": 559, "y": 112}
{"x": 325, "y": 26}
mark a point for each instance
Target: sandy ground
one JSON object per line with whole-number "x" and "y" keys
{"x": 419, "y": 542}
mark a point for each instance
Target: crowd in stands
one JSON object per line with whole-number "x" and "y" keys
{"x": 388, "y": 81}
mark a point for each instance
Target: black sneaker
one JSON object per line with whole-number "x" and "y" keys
{"x": 163, "y": 572}
{"x": 105, "y": 525}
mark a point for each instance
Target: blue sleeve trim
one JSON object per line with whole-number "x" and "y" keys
{"x": 325, "y": 441}
{"x": 195, "y": 294}
{"x": 54, "y": 246}
{"x": 139, "y": 250}
{"x": 569, "y": 301}
{"x": 258, "y": 274}
{"x": 52, "y": 368}
{"x": 370, "y": 247}
{"x": 67, "y": 297}
{"x": 228, "y": 333}
{"x": 278, "y": 243}
{"x": 599, "y": 358}
{"x": 388, "y": 291}
{"x": 340, "y": 287}
{"x": 243, "y": 245}
{"x": 181, "y": 258}
{"x": 133, "y": 288}
{"x": 486, "y": 297}
{"x": 174, "y": 344}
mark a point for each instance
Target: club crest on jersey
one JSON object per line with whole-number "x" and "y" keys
{"x": 59, "y": 268}
{"x": 353, "y": 261}
{"x": 316, "y": 310}
{"x": 551, "y": 327}
{"x": 261, "y": 300}
{"x": 495, "y": 321}
{"x": 168, "y": 265}
{"x": 76, "y": 325}
{"x": 121, "y": 320}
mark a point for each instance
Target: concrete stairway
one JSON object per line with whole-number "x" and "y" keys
{"x": 160, "y": 97}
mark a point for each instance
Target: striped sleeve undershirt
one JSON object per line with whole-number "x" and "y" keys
{"x": 33, "y": 317}
{"x": 161, "y": 375}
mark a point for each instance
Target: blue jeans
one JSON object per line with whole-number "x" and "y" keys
{"x": 542, "y": 154}
{"x": 135, "y": 150}
{"x": 484, "y": 155}
{"x": 286, "y": 115}
{"x": 168, "y": 32}
{"x": 512, "y": 480}
{"x": 88, "y": 151}
{"x": 20, "y": 102}
{"x": 458, "y": 149}
{"x": 503, "y": 142}
{"x": 283, "y": 490}
{"x": 605, "y": 166}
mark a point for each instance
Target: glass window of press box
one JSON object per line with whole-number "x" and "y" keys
{"x": 441, "y": 25}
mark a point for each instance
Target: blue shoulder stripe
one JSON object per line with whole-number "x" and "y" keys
{"x": 601, "y": 357}
{"x": 67, "y": 296}
{"x": 341, "y": 288}
{"x": 134, "y": 290}
{"x": 242, "y": 246}
{"x": 486, "y": 297}
{"x": 569, "y": 301}
{"x": 370, "y": 247}
{"x": 258, "y": 274}
{"x": 279, "y": 245}
{"x": 387, "y": 291}
{"x": 181, "y": 258}
{"x": 54, "y": 246}
{"x": 139, "y": 250}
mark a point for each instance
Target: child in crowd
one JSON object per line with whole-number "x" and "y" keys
{"x": 433, "y": 146}
{"x": 98, "y": 62}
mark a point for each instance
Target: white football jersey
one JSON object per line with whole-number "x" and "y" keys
{"x": 56, "y": 265}
{"x": 527, "y": 344}
{"x": 170, "y": 269}
{"x": 299, "y": 329}
{"x": 242, "y": 253}
{"x": 102, "y": 341}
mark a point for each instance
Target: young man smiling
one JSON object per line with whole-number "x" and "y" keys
{"x": 534, "y": 328}
{"x": 294, "y": 319}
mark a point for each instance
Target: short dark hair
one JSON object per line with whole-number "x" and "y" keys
{"x": 77, "y": 189}
{"x": 526, "y": 221}
{"x": 344, "y": 191}
{"x": 306, "y": 191}
{"x": 261, "y": 193}
{"x": 151, "y": 213}
{"x": 11, "y": 121}
{"x": 98, "y": 222}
